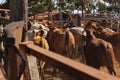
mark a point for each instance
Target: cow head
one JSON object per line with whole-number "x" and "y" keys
{"x": 91, "y": 25}
{"x": 88, "y": 34}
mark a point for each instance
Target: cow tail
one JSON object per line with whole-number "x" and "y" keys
{"x": 70, "y": 44}
{"x": 66, "y": 44}
{"x": 107, "y": 60}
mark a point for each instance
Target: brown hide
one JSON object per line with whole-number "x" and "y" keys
{"x": 114, "y": 39}
{"x": 41, "y": 41}
{"x": 79, "y": 42}
{"x": 99, "y": 52}
{"x": 61, "y": 41}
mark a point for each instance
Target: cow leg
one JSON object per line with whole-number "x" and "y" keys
{"x": 73, "y": 53}
{"x": 110, "y": 64}
{"x": 81, "y": 54}
{"x": 41, "y": 65}
{"x": 68, "y": 52}
{"x": 111, "y": 70}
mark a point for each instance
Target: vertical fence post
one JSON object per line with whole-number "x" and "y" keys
{"x": 12, "y": 64}
{"x": 26, "y": 75}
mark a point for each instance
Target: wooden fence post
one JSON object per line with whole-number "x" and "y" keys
{"x": 26, "y": 75}
{"x": 12, "y": 64}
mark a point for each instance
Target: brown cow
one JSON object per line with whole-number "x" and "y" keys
{"x": 110, "y": 36}
{"x": 99, "y": 53}
{"x": 40, "y": 40}
{"x": 114, "y": 39}
{"x": 61, "y": 41}
{"x": 79, "y": 42}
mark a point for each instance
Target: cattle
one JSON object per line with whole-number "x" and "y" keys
{"x": 37, "y": 33}
{"x": 35, "y": 27}
{"x": 40, "y": 41}
{"x": 79, "y": 42}
{"x": 69, "y": 25}
{"x": 114, "y": 39}
{"x": 108, "y": 35}
{"x": 61, "y": 41}
{"x": 99, "y": 52}
{"x": 108, "y": 30}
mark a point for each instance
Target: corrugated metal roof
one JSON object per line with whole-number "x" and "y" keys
{"x": 45, "y": 14}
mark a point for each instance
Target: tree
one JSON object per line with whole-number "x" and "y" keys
{"x": 61, "y": 4}
{"x": 41, "y": 6}
{"x": 5, "y": 4}
{"x": 101, "y": 6}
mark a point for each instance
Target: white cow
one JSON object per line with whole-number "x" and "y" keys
{"x": 35, "y": 27}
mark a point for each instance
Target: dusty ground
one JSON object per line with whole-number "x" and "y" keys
{"x": 117, "y": 68}
{"x": 62, "y": 76}
{"x": 49, "y": 75}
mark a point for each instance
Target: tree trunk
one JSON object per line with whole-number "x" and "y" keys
{"x": 18, "y": 10}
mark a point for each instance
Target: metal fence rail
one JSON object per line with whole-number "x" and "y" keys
{"x": 74, "y": 68}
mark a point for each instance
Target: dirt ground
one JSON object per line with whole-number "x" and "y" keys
{"x": 117, "y": 68}
{"x": 62, "y": 76}
{"x": 49, "y": 75}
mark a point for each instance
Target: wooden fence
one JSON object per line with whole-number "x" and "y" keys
{"x": 74, "y": 68}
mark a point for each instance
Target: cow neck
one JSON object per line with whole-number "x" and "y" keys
{"x": 91, "y": 37}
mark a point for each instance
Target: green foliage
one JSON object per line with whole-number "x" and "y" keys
{"x": 101, "y": 6}
{"x": 86, "y": 5}
{"x": 5, "y": 5}
{"x": 114, "y": 8}
{"x": 40, "y": 5}
{"x": 61, "y": 4}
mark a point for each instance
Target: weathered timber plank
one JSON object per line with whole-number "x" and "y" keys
{"x": 32, "y": 62}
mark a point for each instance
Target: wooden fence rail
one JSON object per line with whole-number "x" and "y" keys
{"x": 74, "y": 68}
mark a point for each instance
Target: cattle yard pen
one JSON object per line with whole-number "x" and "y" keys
{"x": 74, "y": 68}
